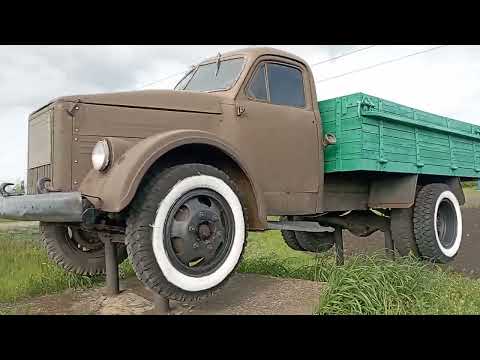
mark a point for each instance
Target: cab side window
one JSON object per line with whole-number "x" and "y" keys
{"x": 277, "y": 84}
{"x": 286, "y": 85}
{"x": 258, "y": 86}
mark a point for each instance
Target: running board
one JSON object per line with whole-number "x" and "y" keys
{"x": 307, "y": 226}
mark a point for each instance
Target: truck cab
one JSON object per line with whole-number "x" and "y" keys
{"x": 178, "y": 177}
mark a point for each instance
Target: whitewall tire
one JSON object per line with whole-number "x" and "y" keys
{"x": 174, "y": 276}
{"x": 437, "y": 223}
{"x": 186, "y": 231}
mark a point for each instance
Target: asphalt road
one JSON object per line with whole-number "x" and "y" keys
{"x": 467, "y": 260}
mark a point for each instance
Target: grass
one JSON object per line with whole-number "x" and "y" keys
{"x": 364, "y": 285}
{"x": 26, "y": 271}
{"x": 367, "y": 284}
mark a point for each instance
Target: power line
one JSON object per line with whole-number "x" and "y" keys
{"x": 343, "y": 55}
{"x": 315, "y": 64}
{"x": 169, "y": 76}
{"x": 163, "y": 79}
{"x": 379, "y": 64}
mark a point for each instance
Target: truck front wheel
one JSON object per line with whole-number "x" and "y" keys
{"x": 437, "y": 223}
{"x": 186, "y": 231}
{"x": 75, "y": 250}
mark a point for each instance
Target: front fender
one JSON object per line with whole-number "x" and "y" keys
{"x": 113, "y": 190}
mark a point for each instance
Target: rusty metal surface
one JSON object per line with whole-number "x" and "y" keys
{"x": 360, "y": 223}
{"x": 307, "y": 226}
{"x": 392, "y": 191}
{"x": 40, "y": 140}
{"x": 33, "y": 175}
{"x": 346, "y": 191}
{"x": 52, "y": 207}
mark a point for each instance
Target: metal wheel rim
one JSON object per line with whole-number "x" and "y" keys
{"x": 74, "y": 238}
{"x": 199, "y": 232}
{"x": 446, "y": 223}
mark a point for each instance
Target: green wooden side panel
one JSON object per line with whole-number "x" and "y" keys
{"x": 375, "y": 134}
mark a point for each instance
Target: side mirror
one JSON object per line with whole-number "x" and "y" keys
{"x": 329, "y": 139}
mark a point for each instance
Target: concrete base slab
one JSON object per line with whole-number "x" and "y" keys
{"x": 244, "y": 294}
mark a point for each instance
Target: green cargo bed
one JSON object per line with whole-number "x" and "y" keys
{"x": 374, "y": 134}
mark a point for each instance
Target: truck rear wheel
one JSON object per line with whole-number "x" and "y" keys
{"x": 186, "y": 231}
{"x": 307, "y": 241}
{"x": 437, "y": 223}
{"x": 315, "y": 242}
{"x": 290, "y": 238}
{"x": 75, "y": 250}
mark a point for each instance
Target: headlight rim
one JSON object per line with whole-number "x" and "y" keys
{"x": 105, "y": 146}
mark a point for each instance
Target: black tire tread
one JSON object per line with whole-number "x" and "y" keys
{"x": 315, "y": 242}
{"x": 81, "y": 263}
{"x": 423, "y": 222}
{"x": 305, "y": 241}
{"x": 290, "y": 238}
{"x": 138, "y": 235}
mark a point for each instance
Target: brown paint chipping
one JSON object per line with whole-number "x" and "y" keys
{"x": 275, "y": 153}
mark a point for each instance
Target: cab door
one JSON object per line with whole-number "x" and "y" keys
{"x": 278, "y": 125}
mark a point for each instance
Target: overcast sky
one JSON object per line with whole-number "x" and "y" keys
{"x": 444, "y": 81}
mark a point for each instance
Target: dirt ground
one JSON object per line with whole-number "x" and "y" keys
{"x": 244, "y": 294}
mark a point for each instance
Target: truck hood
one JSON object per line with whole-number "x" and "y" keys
{"x": 155, "y": 99}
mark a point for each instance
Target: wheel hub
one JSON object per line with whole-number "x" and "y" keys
{"x": 446, "y": 225}
{"x": 82, "y": 240}
{"x": 204, "y": 231}
{"x": 196, "y": 237}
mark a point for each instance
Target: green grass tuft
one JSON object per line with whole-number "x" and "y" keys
{"x": 366, "y": 284}
{"x": 25, "y": 269}
{"x": 374, "y": 285}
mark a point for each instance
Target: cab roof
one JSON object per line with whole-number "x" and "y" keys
{"x": 255, "y": 52}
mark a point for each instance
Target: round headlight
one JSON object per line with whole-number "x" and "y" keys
{"x": 101, "y": 155}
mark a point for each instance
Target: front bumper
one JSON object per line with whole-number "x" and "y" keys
{"x": 50, "y": 207}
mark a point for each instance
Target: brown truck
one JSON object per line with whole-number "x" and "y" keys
{"x": 178, "y": 177}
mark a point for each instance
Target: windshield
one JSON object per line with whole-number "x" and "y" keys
{"x": 213, "y": 76}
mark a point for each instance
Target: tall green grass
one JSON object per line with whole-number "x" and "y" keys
{"x": 373, "y": 285}
{"x": 367, "y": 284}
{"x": 26, "y": 271}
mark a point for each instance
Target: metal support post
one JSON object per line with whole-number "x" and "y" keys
{"x": 111, "y": 266}
{"x": 339, "y": 245}
{"x": 389, "y": 249}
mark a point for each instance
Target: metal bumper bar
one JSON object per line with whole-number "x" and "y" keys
{"x": 51, "y": 207}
